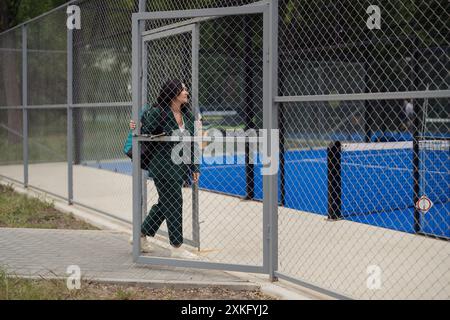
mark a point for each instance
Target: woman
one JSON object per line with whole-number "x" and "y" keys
{"x": 168, "y": 114}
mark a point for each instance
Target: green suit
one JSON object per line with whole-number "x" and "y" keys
{"x": 167, "y": 175}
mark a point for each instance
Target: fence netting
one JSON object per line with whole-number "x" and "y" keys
{"x": 367, "y": 161}
{"x": 11, "y": 131}
{"x": 363, "y": 182}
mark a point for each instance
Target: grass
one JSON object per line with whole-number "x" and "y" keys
{"x": 16, "y": 288}
{"x": 21, "y": 211}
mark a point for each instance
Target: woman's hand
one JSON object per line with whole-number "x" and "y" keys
{"x": 132, "y": 125}
{"x": 195, "y": 176}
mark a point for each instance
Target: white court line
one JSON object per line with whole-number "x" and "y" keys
{"x": 374, "y": 166}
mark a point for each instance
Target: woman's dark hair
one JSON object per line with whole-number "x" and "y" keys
{"x": 170, "y": 90}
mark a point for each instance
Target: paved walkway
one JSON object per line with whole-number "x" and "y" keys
{"x": 99, "y": 254}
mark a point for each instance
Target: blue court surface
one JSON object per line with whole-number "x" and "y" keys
{"x": 377, "y": 185}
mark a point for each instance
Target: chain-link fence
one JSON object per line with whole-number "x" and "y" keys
{"x": 11, "y": 128}
{"x": 358, "y": 90}
{"x": 354, "y": 152}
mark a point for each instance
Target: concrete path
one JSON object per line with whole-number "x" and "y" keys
{"x": 99, "y": 254}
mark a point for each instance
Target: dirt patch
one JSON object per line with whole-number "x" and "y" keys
{"x": 135, "y": 292}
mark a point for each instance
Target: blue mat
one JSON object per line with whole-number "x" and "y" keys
{"x": 375, "y": 181}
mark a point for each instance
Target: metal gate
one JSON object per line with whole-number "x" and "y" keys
{"x": 237, "y": 233}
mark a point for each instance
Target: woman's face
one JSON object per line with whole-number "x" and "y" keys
{"x": 183, "y": 97}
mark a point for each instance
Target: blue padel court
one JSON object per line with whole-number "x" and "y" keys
{"x": 377, "y": 184}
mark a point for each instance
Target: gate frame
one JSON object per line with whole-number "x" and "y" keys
{"x": 269, "y": 10}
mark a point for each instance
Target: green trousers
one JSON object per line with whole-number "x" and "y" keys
{"x": 169, "y": 208}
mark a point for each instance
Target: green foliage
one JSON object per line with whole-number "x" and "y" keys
{"x": 18, "y": 11}
{"x": 124, "y": 294}
{"x": 29, "y": 9}
{"x": 13, "y": 288}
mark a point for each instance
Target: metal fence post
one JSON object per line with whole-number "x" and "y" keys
{"x": 334, "y": 181}
{"x": 196, "y": 145}
{"x": 136, "y": 146}
{"x": 249, "y": 105}
{"x": 25, "y": 104}
{"x": 270, "y": 120}
{"x": 416, "y": 136}
{"x": 274, "y": 92}
{"x": 143, "y": 83}
{"x": 70, "y": 115}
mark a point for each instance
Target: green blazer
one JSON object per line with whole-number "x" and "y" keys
{"x": 161, "y": 166}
